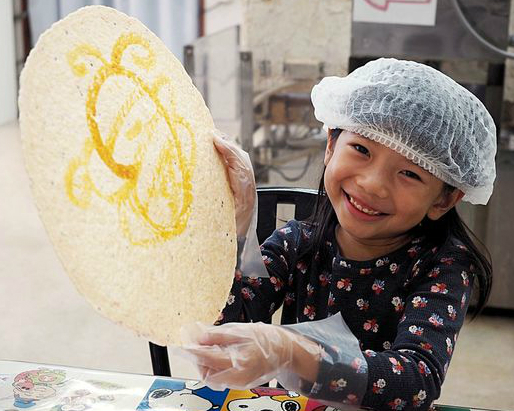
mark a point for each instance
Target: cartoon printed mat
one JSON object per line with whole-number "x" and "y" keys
{"x": 55, "y": 388}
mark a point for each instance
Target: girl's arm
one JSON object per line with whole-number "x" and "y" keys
{"x": 409, "y": 375}
{"x": 256, "y": 299}
{"x": 252, "y": 298}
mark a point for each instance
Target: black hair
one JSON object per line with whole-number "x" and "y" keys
{"x": 440, "y": 231}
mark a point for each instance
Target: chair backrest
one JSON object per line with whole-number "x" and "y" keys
{"x": 269, "y": 198}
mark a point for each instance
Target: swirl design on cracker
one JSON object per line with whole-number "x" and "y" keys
{"x": 139, "y": 157}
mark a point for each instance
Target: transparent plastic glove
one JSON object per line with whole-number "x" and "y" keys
{"x": 341, "y": 356}
{"x": 244, "y": 355}
{"x": 242, "y": 183}
{"x": 242, "y": 180}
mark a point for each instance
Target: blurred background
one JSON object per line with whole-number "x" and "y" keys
{"x": 255, "y": 61}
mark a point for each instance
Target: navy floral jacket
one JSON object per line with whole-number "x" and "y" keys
{"x": 405, "y": 308}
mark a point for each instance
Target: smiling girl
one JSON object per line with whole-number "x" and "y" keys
{"x": 376, "y": 284}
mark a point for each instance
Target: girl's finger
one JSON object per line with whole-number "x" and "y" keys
{"x": 229, "y": 153}
{"x": 219, "y": 338}
{"x": 222, "y": 146}
{"x": 212, "y": 359}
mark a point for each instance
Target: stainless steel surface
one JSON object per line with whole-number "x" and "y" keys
{"x": 500, "y": 232}
{"x": 448, "y": 39}
{"x": 213, "y": 64}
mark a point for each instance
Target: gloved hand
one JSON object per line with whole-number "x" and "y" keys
{"x": 246, "y": 355}
{"x": 242, "y": 183}
{"x": 242, "y": 180}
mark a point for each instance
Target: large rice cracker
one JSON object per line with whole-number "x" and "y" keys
{"x": 118, "y": 146}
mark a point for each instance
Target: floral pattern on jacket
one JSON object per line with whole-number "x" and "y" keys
{"x": 406, "y": 310}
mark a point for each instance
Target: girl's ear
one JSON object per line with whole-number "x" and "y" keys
{"x": 330, "y": 148}
{"x": 444, "y": 203}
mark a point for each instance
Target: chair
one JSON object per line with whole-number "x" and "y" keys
{"x": 269, "y": 198}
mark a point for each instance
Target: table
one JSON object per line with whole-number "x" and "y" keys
{"x": 41, "y": 387}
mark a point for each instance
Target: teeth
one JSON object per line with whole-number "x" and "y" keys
{"x": 361, "y": 208}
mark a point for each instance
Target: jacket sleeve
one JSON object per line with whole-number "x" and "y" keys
{"x": 253, "y": 299}
{"x": 410, "y": 374}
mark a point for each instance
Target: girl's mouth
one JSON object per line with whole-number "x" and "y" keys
{"x": 360, "y": 210}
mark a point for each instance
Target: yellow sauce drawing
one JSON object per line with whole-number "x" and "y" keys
{"x": 140, "y": 201}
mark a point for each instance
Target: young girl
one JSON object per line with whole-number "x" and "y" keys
{"x": 378, "y": 280}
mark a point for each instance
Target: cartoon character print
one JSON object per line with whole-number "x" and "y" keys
{"x": 267, "y": 399}
{"x": 81, "y": 400}
{"x": 164, "y": 398}
{"x": 32, "y": 386}
{"x": 182, "y": 395}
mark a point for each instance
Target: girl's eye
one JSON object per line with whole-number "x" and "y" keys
{"x": 411, "y": 174}
{"x": 361, "y": 149}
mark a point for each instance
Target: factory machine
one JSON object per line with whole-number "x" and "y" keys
{"x": 256, "y": 79}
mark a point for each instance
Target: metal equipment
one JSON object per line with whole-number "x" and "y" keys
{"x": 276, "y": 125}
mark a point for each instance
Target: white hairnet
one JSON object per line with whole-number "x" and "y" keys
{"x": 420, "y": 113}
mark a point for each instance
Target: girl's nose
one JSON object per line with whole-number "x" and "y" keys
{"x": 374, "y": 182}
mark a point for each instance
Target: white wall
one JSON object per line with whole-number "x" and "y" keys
{"x": 296, "y": 31}
{"x": 8, "y": 84}
{"x": 221, "y": 14}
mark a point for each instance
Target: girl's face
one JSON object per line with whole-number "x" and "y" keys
{"x": 378, "y": 195}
